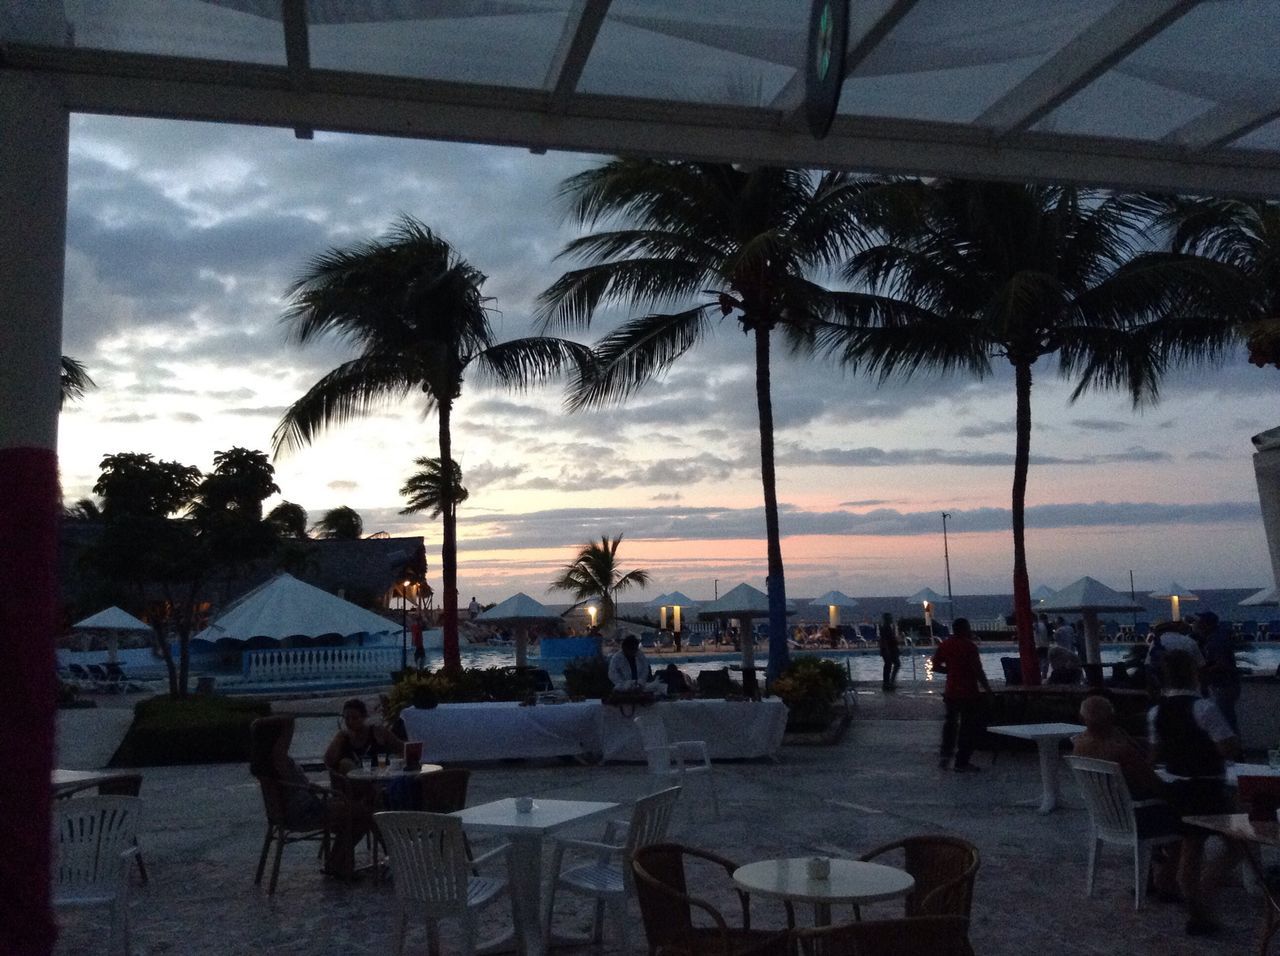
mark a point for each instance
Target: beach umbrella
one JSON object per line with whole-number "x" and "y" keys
{"x": 521, "y": 611}
{"x": 927, "y": 598}
{"x": 112, "y": 622}
{"x": 677, "y": 600}
{"x": 742, "y": 603}
{"x": 1088, "y": 597}
{"x": 1176, "y": 594}
{"x": 834, "y": 601}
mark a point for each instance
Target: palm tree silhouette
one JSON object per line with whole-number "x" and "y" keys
{"x": 343, "y": 524}
{"x": 413, "y": 308}
{"x": 967, "y": 271}
{"x": 694, "y": 243}
{"x": 74, "y": 380}
{"x": 425, "y": 489}
{"x": 594, "y": 575}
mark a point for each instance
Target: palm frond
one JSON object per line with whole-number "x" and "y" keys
{"x": 572, "y": 300}
{"x": 351, "y": 390}
{"x": 634, "y": 353}
{"x": 74, "y": 380}
{"x": 520, "y": 363}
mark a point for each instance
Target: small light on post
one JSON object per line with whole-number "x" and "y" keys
{"x": 592, "y": 611}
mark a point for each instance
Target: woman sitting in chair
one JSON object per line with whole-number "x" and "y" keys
{"x": 358, "y": 740}
{"x": 307, "y": 805}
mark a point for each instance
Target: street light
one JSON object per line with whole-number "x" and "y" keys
{"x": 404, "y": 625}
{"x": 592, "y": 610}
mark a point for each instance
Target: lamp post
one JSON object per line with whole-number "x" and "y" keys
{"x": 946, "y": 558}
{"x": 592, "y": 610}
{"x": 404, "y": 625}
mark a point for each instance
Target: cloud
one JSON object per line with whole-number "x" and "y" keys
{"x": 1100, "y": 425}
{"x": 486, "y": 474}
{"x": 188, "y": 417}
{"x": 985, "y": 429}
{"x": 871, "y": 457}
{"x": 342, "y": 485}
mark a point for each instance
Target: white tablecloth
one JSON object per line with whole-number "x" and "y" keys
{"x": 463, "y": 733}
{"x": 731, "y": 728}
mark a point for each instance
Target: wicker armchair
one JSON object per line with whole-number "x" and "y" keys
{"x": 667, "y": 908}
{"x": 916, "y": 935}
{"x": 944, "y": 869}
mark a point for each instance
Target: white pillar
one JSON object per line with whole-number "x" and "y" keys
{"x": 662, "y": 618}
{"x": 833, "y": 616}
{"x": 1175, "y": 608}
{"x": 1266, "y": 471}
{"x": 33, "y": 209}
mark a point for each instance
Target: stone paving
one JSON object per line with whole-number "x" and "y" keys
{"x": 204, "y": 827}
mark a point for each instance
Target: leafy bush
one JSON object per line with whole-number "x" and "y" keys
{"x": 191, "y": 730}
{"x": 587, "y": 677}
{"x": 426, "y": 689}
{"x": 809, "y": 687}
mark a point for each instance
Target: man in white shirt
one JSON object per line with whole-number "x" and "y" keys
{"x": 1042, "y": 644}
{"x": 628, "y": 668}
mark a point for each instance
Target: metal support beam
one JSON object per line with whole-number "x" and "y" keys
{"x": 790, "y": 99}
{"x": 1128, "y": 25}
{"x": 297, "y": 51}
{"x": 580, "y": 31}
{"x": 1223, "y": 125}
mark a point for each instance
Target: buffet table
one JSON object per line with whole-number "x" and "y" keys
{"x": 467, "y": 733}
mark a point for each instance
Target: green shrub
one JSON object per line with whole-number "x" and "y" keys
{"x": 587, "y": 677}
{"x": 809, "y": 687}
{"x": 191, "y": 730}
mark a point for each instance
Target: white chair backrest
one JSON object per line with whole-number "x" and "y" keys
{"x": 650, "y": 819}
{"x": 656, "y": 743}
{"x": 428, "y": 859}
{"x": 1106, "y": 796}
{"x": 92, "y": 837}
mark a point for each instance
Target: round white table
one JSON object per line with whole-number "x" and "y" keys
{"x": 850, "y": 881}
{"x": 385, "y": 775}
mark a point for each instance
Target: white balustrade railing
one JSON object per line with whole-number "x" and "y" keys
{"x": 319, "y": 663}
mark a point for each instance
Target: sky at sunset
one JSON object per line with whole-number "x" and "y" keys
{"x": 182, "y": 239}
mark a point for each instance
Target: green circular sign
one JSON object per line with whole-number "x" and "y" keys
{"x": 824, "y": 71}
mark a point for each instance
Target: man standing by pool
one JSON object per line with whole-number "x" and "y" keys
{"x": 957, "y": 657}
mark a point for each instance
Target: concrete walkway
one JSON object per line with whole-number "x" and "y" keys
{"x": 204, "y": 827}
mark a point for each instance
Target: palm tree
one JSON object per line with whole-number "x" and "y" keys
{"x": 342, "y": 524}
{"x": 687, "y": 244}
{"x": 413, "y": 309}
{"x": 425, "y": 489}
{"x": 1244, "y": 233}
{"x": 289, "y": 520}
{"x": 74, "y": 380}
{"x": 594, "y": 575}
{"x": 967, "y": 271}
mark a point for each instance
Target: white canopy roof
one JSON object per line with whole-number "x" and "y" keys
{"x": 1042, "y": 592}
{"x": 1267, "y": 597}
{"x": 1170, "y": 94}
{"x": 836, "y": 599}
{"x": 113, "y": 619}
{"x": 744, "y": 599}
{"x": 285, "y": 606}
{"x": 518, "y": 607}
{"x": 1089, "y": 595}
{"x": 930, "y": 595}
{"x": 1176, "y": 590}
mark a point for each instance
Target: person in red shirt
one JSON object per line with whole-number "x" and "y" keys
{"x": 419, "y": 652}
{"x": 957, "y": 657}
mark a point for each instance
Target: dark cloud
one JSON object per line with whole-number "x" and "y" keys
{"x": 486, "y": 474}
{"x": 1101, "y": 425}
{"x": 872, "y": 457}
{"x": 985, "y": 429}
{"x": 869, "y": 503}
{"x": 340, "y": 484}
{"x": 188, "y": 417}
{"x": 129, "y": 418}
{"x": 563, "y": 526}
{"x": 260, "y": 411}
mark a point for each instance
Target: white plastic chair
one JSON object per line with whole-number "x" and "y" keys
{"x": 94, "y": 839}
{"x": 608, "y": 878}
{"x": 675, "y": 759}
{"x": 433, "y": 877}
{"x": 1112, "y": 820}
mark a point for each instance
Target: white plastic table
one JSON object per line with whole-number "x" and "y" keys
{"x": 64, "y": 781}
{"x": 850, "y": 881}
{"x": 526, "y": 832}
{"x": 1047, "y": 738}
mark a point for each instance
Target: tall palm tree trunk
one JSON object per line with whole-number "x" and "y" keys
{"x": 778, "y": 653}
{"x": 449, "y": 543}
{"x": 1021, "y": 586}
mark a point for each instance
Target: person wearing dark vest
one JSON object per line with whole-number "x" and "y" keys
{"x": 1193, "y": 740}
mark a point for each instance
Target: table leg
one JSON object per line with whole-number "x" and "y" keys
{"x": 526, "y": 900}
{"x": 1049, "y": 760}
